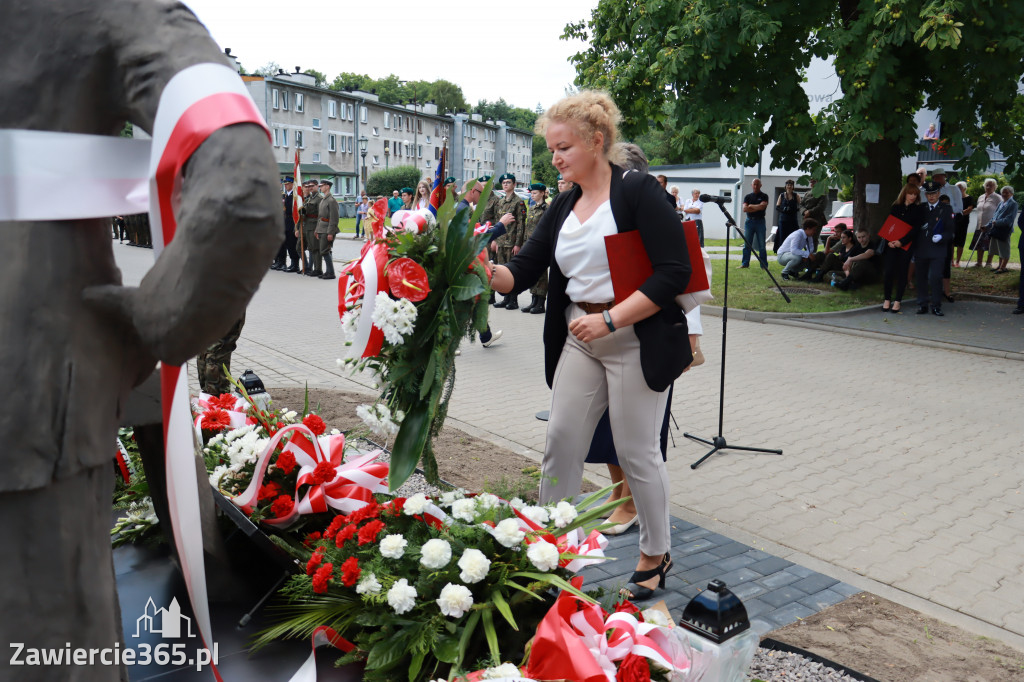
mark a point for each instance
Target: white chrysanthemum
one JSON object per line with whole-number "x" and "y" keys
{"x": 395, "y": 318}
{"x": 393, "y": 546}
{"x": 474, "y": 565}
{"x": 455, "y": 600}
{"x": 563, "y": 514}
{"x": 415, "y": 504}
{"x": 536, "y": 514}
{"x": 218, "y": 475}
{"x": 543, "y": 555}
{"x": 233, "y": 434}
{"x": 368, "y": 584}
{"x": 402, "y": 597}
{"x": 245, "y": 449}
{"x": 350, "y": 325}
{"x": 500, "y": 672}
{"x": 656, "y": 617}
{"x": 378, "y": 419}
{"x": 219, "y": 438}
{"x": 507, "y": 533}
{"x": 516, "y": 503}
{"x": 435, "y": 553}
{"x": 487, "y": 501}
{"x": 464, "y": 510}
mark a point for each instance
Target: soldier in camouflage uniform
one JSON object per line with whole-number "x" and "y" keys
{"x": 509, "y": 243}
{"x": 309, "y": 214}
{"x": 539, "y": 291}
{"x": 211, "y": 375}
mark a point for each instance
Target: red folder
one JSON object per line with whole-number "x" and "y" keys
{"x": 630, "y": 267}
{"x": 894, "y": 229}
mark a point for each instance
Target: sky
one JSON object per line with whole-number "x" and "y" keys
{"x": 507, "y": 50}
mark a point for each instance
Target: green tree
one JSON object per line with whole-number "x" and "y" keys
{"x": 347, "y": 79}
{"x": 385, "y": 182}
{"x": 389, "y": 90}
{"x": 503, "y": 111}
{"x": 321, "y": 79}
{"x": 731, "y": 75}
{"x": 268, "y": 69}
{"x": 448, "y": 97}
{"x": 541, "y": 166}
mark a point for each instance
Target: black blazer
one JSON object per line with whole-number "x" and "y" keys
{"x": 638, "y": 203}
{"x": 924, "y": 246}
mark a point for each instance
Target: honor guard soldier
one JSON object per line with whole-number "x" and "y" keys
{"x": 310, "y": 214}
{"x": 452, "y": 189}
{"x": 326, "y": 229}
{"x": 288, "y": 245}
{"x": 539, "y": 291}
{"x": 509, "y": 243}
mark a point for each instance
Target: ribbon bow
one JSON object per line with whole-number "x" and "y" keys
{"x": 592, "y": 546}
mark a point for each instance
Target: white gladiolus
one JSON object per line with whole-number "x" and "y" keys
{"x": 543, "y": 555}
{"x": 507, "y": 533}
{"x": 435, "y": 553}
{"x": 368, "y": 584}
{"x": 563, "y": 514}
{"x": 474, "y": 565}
{"x": 393, "y": 546}
{"x": 455, "y": 600}
{"x": 378, "y": 417}
{"x": 402, "y": 597}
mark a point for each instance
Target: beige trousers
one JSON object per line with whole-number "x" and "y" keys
{"x": 593, "y": 376}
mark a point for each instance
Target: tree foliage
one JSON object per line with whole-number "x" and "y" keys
{"x": 321, "y": 79}
{"x": 385, "y": 182}
{"x": 267, "y": 70}
{"x": 542, "y": 170}
{"x": 727, "y": 75}
{"x": 391, "y": 90}
{"x": 501, "y": 110}
{"x": 448, "y": 97}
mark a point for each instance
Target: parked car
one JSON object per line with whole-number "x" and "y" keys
{"x": 843, "y": 215}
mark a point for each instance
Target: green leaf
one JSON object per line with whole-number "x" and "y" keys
{"x": 415, "y": 664}
{"x": 428, "y": 376}
{"x": 499, "y": 601}
{"x": 446, "y": 648}
{"x": 386, "y": 653}
{"x": 409, "y": 444}
{"x": 305, "y": 405}
{"x": 524, "y": 590}
{"x": 492, "y": 636}
{"x": 467, "y": 286}
{"x": 554, "y": 580}
{"x": 467, "y": 634}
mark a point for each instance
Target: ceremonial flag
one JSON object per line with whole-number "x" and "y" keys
{"x": 437, "y": 193}
{"x": 297, "y": 197}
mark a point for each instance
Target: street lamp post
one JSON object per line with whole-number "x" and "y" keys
{"x": 387, "y": 154}
{"x": 363, "y": 142}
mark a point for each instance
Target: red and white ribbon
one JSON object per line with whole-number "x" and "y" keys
{"x": 358, "y": 286}
{"x": 322, "y": 636}
{"x": 236, "y": 414}
{"x": 591, "y": 546}
{"x": 123, "y": 464}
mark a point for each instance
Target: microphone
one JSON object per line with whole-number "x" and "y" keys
{"x": 707, "y": 198}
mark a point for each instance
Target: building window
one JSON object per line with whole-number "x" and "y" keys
{"x": 398, "y": 121}
{"x": 436, "y": 131}
{"x": 284, "y": 100}
{"x": 419, "y": 126}
{"x": 332, "y": 143}
{"x": 284, "y": 137}
{"x": 362, "y": 114}
{"x": 376, "y": 131}
{"x": 387, "y": 120}
{"x": 299, "y": 101}
{"x": 376, "y": 160}
{"x": 420, "y": 154}
{"x": 351, "y": 112}
{"x": 275, "y": 96}
{"x": 437, "y": 153}
{"x": 298, "y": 139}
{"x": 277, "y": 137}
{"x": 332, "y": 109}
{"x": 316, "y": 157}
{"x": 349, "y": 144}
{"x": 316, "y": 124}
{"x": 473, "y": 134}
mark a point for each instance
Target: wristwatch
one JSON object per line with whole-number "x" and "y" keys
{"x": 608, "y": 320}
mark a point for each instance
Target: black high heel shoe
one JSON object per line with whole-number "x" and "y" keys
{"x": 634, "y": 591}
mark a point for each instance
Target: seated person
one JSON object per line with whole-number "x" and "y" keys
{"x": 833, "y": 239}
{"x": 794, "y": 254}
{"x": 834, "y": 256}
{"x": 862, "y": 263}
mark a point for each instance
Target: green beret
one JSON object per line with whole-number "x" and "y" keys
{"x": 449, "y": 180}
{"x": 484, "y": 178}
{"x": 507, "y": 176}
{"x": 538, "y": 186}
{"x": 406, "y": 190}
{"x": 559, "y": 176}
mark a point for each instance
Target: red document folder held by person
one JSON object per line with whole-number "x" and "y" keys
{"x": 894, "y": 229}
{"x": 630, "y": 267}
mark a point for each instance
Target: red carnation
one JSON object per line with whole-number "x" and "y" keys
{"x": 315, "y": 424}
{"x": 314, "y": 561}
{"x": 322, "y": 577}
{"x": 633, "y": 669}
{"x": 334, "y": 526}
{"x": 286, "y": 462}
{"x": 323, "y": 473}
{"x": 370, "y": 531}
{"x": 350, "y": 572}
{"x": 408, "y": 279}
{"x": 269, "y": 489}
{"x": 368, "y": 511}
{"x": 396, "y": 506}
{"x": 344, "y": 535}
{"x": 225, "y": 401}
{"x": 312, "y": 537}
{"x": 215, "y": 420}
{"x": 282, "y": 506}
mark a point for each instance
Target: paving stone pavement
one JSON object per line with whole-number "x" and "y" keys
{"x": 901, "y": 469}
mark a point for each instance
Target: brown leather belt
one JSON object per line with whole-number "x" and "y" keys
{"x": 594, "y": 308}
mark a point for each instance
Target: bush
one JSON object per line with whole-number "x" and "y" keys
{"x": 383, "y": 183}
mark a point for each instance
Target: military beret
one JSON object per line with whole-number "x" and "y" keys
{"x": 326, "y": 182}
{"x": 931, "y": 187}
{"x": 289, "y": 178}
{"x": 538, "y": 186}
{"x": 406, "y": 190}
{"x": 449, "y": 180}
{"x": 559, "y": 176}
{"x": 484, "y": 178}
{"x": 507, "y": 176}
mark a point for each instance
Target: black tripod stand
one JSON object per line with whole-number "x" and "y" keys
{"x": 718, "y": 442}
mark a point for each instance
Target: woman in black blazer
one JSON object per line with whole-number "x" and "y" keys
{"x": 895, "y": 260}
{"x": 599, "y": 354}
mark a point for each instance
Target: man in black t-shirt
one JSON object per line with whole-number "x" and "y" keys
{"x": 754, "y": 205}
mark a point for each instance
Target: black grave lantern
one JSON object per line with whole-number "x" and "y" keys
{"x": 251, "y": 383}
{"x": 715, "y": 614}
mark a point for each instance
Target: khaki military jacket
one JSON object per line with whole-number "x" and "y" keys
{"x": 327, "y": 222}
{"x": 515, "y": 233}
{"x": 310, "y": 211}
{"x": 533, "y": 216}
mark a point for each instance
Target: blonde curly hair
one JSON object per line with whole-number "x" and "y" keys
{"x": 589, "y": 112}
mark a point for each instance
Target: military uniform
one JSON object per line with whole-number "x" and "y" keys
{"x": 310, "y": 213}
{"x": 327, "y": 225}
{"x": 538, "y": 291}
{"x": 211, "y": 361}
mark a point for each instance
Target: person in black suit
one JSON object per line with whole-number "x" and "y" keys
{"x": 930, "y": 250}
{"x": 599, "y": 353}
{"x": 288, "y": 245}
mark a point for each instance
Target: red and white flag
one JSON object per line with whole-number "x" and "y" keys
{"x": 297, "y": 198}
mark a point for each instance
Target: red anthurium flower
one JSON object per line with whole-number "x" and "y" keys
{"x": 408, "y": 279}
{"x": 315, "y": 424}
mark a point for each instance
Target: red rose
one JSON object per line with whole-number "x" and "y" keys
{"x": 344, "y": 535}
{"x": 350, "y": 572}
{"x": 314, "y": 561}
{"x": 370, "y": 531}
{"x": 225, "y": 401}
{"x": 322, "y": 577}
{"x": 408, "y": 279}
{"x": 627, "y": 606}
{"x": 282, "y": 506}
{"x": 315, "y": 424}
{"x": 286, "y": 462}
{"x": 633, "y": 669}
{"x": 215, "y": 420}
{"x": 323, "y": 473}
{"x": 268, "y": 490}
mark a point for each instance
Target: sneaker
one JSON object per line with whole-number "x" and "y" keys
{"x": 495, "y": 335}
{"x": 1018, "y": 311}
{"x": 785, "y": 276}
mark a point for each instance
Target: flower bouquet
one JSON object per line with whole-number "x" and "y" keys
{"x": 424, "y": 587}
{"x": 131, "y": 494}
{"x": 405, "y": 304}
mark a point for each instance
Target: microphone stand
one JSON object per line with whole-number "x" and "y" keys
{"x": 718, "y": 442}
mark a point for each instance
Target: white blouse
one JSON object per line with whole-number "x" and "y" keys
{"x": 581, "y": 256}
